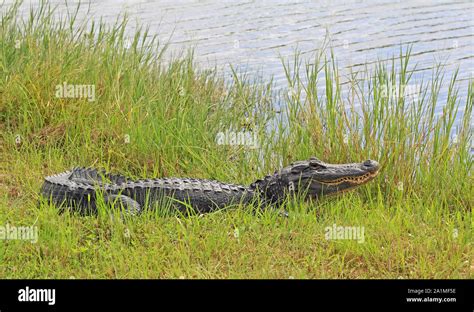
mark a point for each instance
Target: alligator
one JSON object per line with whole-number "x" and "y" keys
{"x": 81, "y": 189}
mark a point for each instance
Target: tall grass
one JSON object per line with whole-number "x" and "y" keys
{"x": 378, "y": 120}
{"x": 155, "y": 117}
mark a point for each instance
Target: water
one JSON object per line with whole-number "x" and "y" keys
{"x": 253, "y": 35}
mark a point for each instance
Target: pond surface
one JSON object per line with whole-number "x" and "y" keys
{"x": 253, "y": 35}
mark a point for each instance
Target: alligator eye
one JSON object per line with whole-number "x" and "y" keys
{"x": 316, "y": 163}
{"x": 318, "y": 167}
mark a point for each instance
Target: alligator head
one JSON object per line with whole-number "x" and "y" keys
{"x": 313, "y": 178}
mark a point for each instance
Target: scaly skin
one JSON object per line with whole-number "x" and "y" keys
{"x": 312, "y": 178}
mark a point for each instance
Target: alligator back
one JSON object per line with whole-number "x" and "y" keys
{"x": 92, "y": 176}
{"x": 79, "y": 187}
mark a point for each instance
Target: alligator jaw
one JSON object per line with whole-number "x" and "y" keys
{"x": 313, "y": 178}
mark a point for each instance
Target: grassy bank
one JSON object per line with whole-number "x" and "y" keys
{"x": 151, "y": 118}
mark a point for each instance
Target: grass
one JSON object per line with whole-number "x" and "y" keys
{"x": 153, "y": 117}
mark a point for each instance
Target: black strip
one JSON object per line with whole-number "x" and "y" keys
{"x": 242, "y": 294}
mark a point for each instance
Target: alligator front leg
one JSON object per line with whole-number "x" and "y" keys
{"x": 129, "y": 206}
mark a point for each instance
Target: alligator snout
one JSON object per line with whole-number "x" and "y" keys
{"x": 371, "y": 165}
